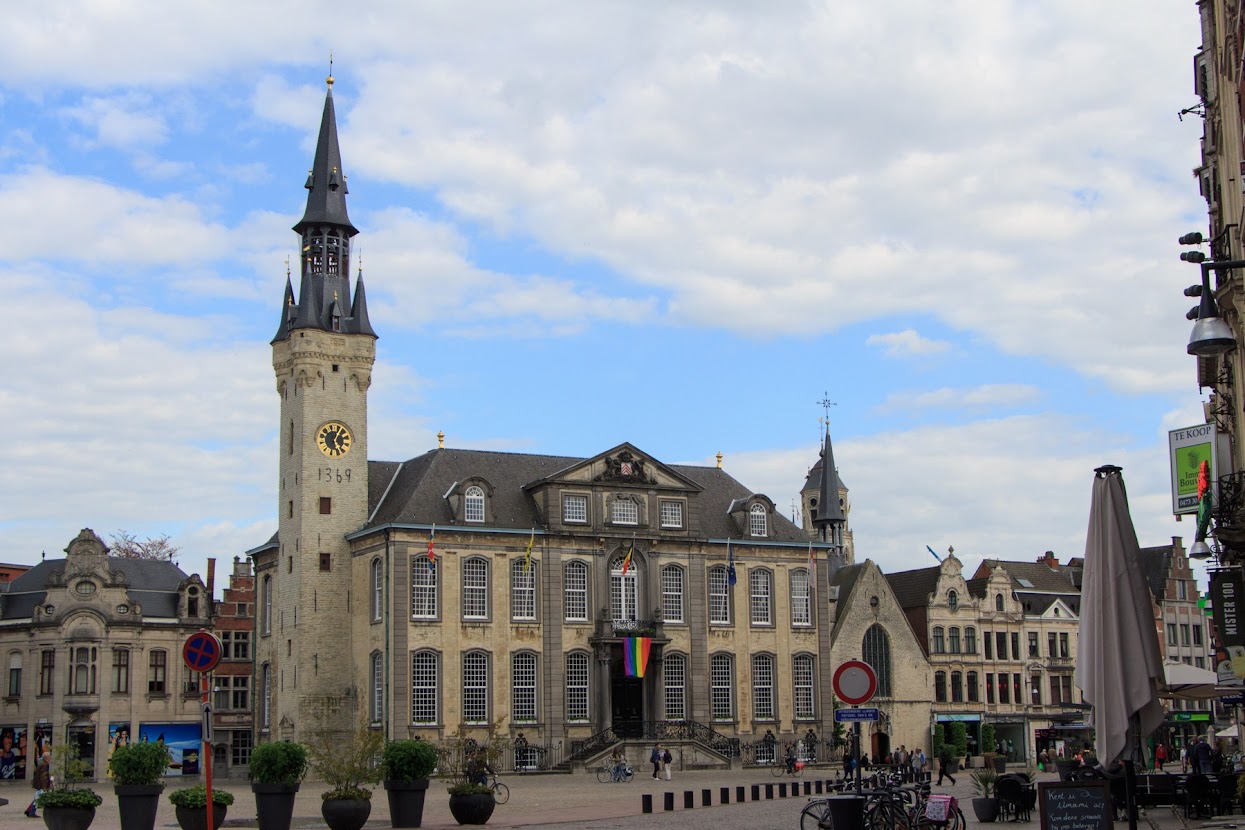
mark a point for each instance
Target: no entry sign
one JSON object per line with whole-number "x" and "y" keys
{"x": 855, "y": 682}
{"x": 202, "y": 652}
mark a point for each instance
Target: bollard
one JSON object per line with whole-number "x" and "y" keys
{"x": 706, "y": 798}
{"x": 818, "y": 787}
{"x": 689, "y": 799}
{"x": 756, "y": 792}
{"x": 669, "y": 802}
{"x": 740, "y": 798}
{"x": 808, "y": 788}
{"x": 646, "y": 803}
{"x": 847, "y": 812}
{"x": 769, "y": 791}
{"x": 725, "y": 795}
{"x": 782, "y": 789}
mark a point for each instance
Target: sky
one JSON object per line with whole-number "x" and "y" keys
{"x": 680, "y": 224}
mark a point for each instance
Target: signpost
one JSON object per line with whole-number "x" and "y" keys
{"x": 855, "y": 682}
{"x": 201, "y": 652}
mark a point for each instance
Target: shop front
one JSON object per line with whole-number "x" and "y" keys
{"x": 972, "y": 728}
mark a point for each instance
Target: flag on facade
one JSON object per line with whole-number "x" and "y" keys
{"x": 731, "y": 579}
{"x": 627, "y": 558}
{"x": 432, "y": 554}
{"x": 527, "y": 562}
{"x": 635, "y": 655}
{"x": 931, "y": 553}
{"x": 1205, "y": 501}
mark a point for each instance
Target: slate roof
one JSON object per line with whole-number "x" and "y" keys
{"x": 153, "y": 584}
{"x": 813, "y": 481}
{"x": 845, "y": 578}
{"x": 1041, "y": 577}
{"x": 912, "y": 588}
{"x": 1156, "y": 564}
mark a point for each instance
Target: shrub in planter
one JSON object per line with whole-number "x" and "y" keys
{"x": 136, "y": 772}
{"x": 985, "y": 804}
{"x": 68, "y": 805}
{"x": 191, "y": 807}
{"x": 346, "y": 762}
{"x": 277, "y": 768}
{"x": 407, "y": 765}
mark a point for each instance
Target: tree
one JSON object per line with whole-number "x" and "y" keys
{"x": 127, "y": 546}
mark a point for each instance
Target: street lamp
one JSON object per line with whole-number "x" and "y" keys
{"x": 1211, "y": 335}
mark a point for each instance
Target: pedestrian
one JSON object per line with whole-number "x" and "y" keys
{"x": 944, "y": 765}
{"x": 666, "y": 760}
{"x": 1202, "y": 757}
{"x": 810, "y": 745}
{"x": 918, "y": 764}
{"x": 1184, "y": 759}
{"x": 849, "y": 764}
{"x": 1160, "y": 756}
{"x": 618, "y": 765}
{"x": 41, "y": 781}
{"x": 654, "y": 758}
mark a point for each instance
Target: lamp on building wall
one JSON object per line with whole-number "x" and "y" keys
{"x": 1211, "y": 334}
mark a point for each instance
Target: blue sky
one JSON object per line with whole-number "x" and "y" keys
{"x": 581, "y": 224}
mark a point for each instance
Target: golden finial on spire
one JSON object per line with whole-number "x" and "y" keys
{"x": 719, "y": 460}
{"x": 329, "y": 79}
{"x": 287, "y": 266}
{"x": 441, "y": 440}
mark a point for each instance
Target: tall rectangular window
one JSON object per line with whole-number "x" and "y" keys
{"x": 575, "y": 509}
{"x": 240, "y": 748}
{"x": 1004, "y": 688}
{"x": 376, "y": 709}
{"x": 121, "y": 671}
{"x": 157, "y": 668}
{"x": 1017, "y": 693}
{"x": 671, "y": 514}
{"x": 1033, "y": 644}
{"x": 1016, "y": 645}
{"x": 522, "y": 589}
{"x": 672, "y": 594}
{"x": 802, "y": 685}
{"x": 721, "y": 687}
{"x": 940, "y": 687}
{"x": 624, "y": 512}
{"x": 801, "y": 598}
{"x": 577, "y": 687}
{"x": 265, "y": 677}
{"x": 475, "y": 687}
{"x": 266, "y": 606}
{"x": 575, "y": 591}
{"x": 760, "y": 584}
{"x": 424, "y": 679}
{"x": 15, "y": 674}
{"x": 674, "y": 679}
{"x": 989, "y": 687}
{"x": 973, "y": 693}
{"x": 957, "y": 687}
{"x": 378, "y": 589}
{"x": 523, "y": 687}
{"x": 1000, "y": 644}
{"x": 762, "y": 687}
{"x": 1065, "y": 688}
{"x": 1171, "y": 634}
{"x": 987, "y": 643}
{"x": 423, "y": 589}
{"x": 1185, "y": 638}
{"x": 475, "y": 589}
{"x": 1197, "y": 635}
{"x": 1035, "y": 689}
{"x": 1052, "y": 650}
{"x": 1063, "y": 646}
{"x": 241, "y": 697}
{"x": 1055, "y": 697}
{"x": 719, "y": 597}
{"x": 235, "y": 645}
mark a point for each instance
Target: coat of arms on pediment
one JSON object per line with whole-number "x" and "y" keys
{"x": 624, "y": 467}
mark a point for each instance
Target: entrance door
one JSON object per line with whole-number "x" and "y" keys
{"x": 82, "y": 735}
{"x": 627, "y": 703}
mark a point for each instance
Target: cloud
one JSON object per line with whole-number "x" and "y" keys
{"x": 907, "y": 343}
{"x": 985, "y": 397}
{"x": 125, "y": 122}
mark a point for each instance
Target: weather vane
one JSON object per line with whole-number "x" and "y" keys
{"x": 825, "y": 404}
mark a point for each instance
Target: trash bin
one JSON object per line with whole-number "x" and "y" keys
{"x": 847, "y": 812}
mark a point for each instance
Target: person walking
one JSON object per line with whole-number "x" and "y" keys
{"x": 1202, "y": 757}
{"x": 944, "y": 765}
{"x": 618, "y": 765}
{"x": 654, "y": 758}
{"x": 918, "y": 764}
{"x": 41, "y": 781}
{"x": 666, "y": 760}
{"x": 1160, "y": 756}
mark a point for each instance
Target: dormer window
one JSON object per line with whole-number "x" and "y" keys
{"x": 953, "y": 600}
{"x": 998, "y": 602}
{"x": 624, "y": 511}
{"x": 757, "y": 523}
{"x": 473, "y": 505}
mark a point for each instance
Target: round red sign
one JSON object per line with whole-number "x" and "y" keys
{"x": 855, "y": 682}
{"x": 202, "y": 651}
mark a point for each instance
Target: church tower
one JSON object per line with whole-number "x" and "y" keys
{"x": 824, "y": 499}
{"x": 322, "y": 355}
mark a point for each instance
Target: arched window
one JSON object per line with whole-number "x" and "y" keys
{"x": 523, "y": 687}
{"x": 802, "y": 684}
{"x": 757, "y": 524}
{"x": 719, "y": 596}
{"x": 953, "y": 643}
{"x": 998, "y": 602}
{"x": 801, "y": 598}
{"x": 522, "y": 589}
{"x": 15, "y": 674}
{"x": 672, "y": 594}
{"x": 577, "y": 687}
{"x": 473, "y": 505}
{"x": 423, "y": 588}
{"x": 378, "y": 589}
{"x": 722, "y": 687}
{"x": 957, "y": 687}
{"x": 876, "y": 651}
{"x": 623, "y": 597}
{"x": 970, "y": 640}
{"x": 953, "y": 600}
{"x": 266, "y": 606}
{"x": 83, "y": 671}
{"x": 940, "y": 645}
{"x": 575, "y": 591}
{"x": 760, "y": 596}
{"x": 762, "y": 687}
{"x": 425, "y": 679}
{"x": 377, "y": 697}
{"x": 674, "y": 679}
{"x": 973, "y": 694}
{"x": 475, "y": 687}
{"x": 940, "y": 687}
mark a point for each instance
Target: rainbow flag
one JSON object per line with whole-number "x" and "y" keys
{"x": 635, "y": 655}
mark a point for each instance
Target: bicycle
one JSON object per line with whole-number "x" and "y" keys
{"x": 779, "y": 769}
{"x": 501, "y": 793}
{"x": 605, "y": 773}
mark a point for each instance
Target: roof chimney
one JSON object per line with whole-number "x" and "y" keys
{"x": 1049, "y": 560}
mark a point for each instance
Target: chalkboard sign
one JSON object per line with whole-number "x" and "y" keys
{"x": 1075, "y": 805}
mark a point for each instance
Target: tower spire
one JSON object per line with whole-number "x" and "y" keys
{"x": 830, "y": 517}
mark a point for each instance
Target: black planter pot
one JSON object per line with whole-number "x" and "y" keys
{"x": 343, "y": 814}
{"x": 274, "y": 805}
{"x": 68, "y": 818}
{"x": 195, "y": 818}
{"x": 1000, "y": 764}
{"x": 986, "y": 809}
{"x": 406, "y": 802}
{"x": 138, "y": 804}
{"x": 472, "y": 809}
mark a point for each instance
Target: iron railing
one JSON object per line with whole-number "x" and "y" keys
{"x": 657, "y": 730}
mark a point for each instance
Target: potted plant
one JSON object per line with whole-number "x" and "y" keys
{"x": 346, "y": 761}
{"x": 470, "y": 801}
{"x": 407, "y": 765}
{"x": 136, "y": 773}
{"x": 277, "y": 768}
{"x": 68, "y": 806}
{"x": 986, "y": 802}
{"x": 191, "y": 807}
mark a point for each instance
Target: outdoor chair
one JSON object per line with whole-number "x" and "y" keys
{"x": 1200, "y": 796}
{"x": 1227, "y": 794}
{"x": 1013, "y": 799}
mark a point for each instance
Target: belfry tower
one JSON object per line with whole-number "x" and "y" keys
{"x": 322, "y": 355}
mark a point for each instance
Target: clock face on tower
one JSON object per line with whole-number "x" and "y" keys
{"x": 334, "y": 439}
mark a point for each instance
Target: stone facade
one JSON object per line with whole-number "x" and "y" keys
{"x": 233, "y": 680}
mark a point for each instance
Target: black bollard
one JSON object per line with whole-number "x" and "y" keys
{"x": 706, "y": 798}
{"x": 725, "y": 795}
{"x": 782, "y": 789}
{"x": 818, "y": 787}
{"x": 689, "y": 799}
{"x": 756, "y": 792}
{"x": 769, "y": 792}
{"x": 669, "y": 802}
{"x": 646, "y": 803}
{"x": 808, "y": 788}
{"x": 740, "y": 798}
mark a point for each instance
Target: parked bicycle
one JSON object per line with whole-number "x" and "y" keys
{"x": 886, "y": 808}
{"x": 605, "y": 773}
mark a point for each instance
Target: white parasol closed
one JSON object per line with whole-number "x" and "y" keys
{"x": 1119, "y": 666}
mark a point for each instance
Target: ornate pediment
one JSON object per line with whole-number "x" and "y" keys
{"x": 625, "y": 467}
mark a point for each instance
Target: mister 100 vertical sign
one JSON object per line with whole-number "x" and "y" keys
{"x": 1189, "y": 448}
